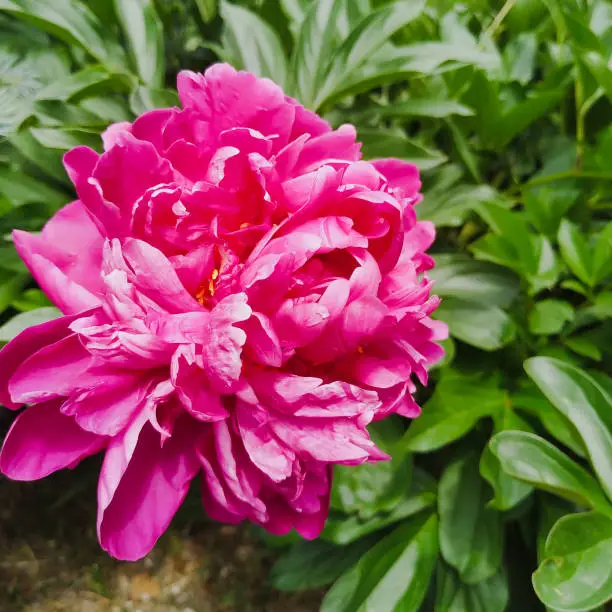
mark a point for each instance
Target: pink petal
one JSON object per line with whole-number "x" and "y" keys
{"x": 107, "y": 410}
{"x": 195, "y": 395}
{"x": 43, "y": 440}
{"x": 68, "y": 295}
{"x": 262, "y": 345}
{"x": 28, "y": 342}
{"x": 142, "y": 484}
{"x": 224, "y": 341}
{"x": 264, "y": 449}
{"x": 156, "y": 278}
{"x": 51, "y": 372}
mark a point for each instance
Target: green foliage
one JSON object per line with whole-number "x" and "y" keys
{"x": 505, "y": 107}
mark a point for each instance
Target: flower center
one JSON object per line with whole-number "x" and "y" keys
{"x": 207, "y": 291}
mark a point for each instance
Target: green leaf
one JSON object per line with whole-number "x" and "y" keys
{"x": 252, "y": 43}
{"x": 145, "y": 35}
{"x": 311, "y": 565}
{"x": 585, "y": 403}
{"x": 549, "y": 317}
{"x": 545, "y": 205}
{"x": 575, "y": 251}
{"x": 31, "y": 299}
{"x": 470, "y": 533}
{"x": 528, "y": 398}
{"x": 602, "y": 255}
{"x": 519, "y": 57}
{"x": 461, "y": 277}
{"x": 27, "y": 319}
{"x": 451, "y": 207}
{"x": 47, "y": 160}
{"x": 393, "y": 575}
{"x": 66, "y": 138}
{"x": 371, "y": 487}
{"x": 476, "y": 323}
{"x": 370, "y": 34}
{"x": 207, "y": 9}
{"x": 385, "y": 143}
{"x": 454, "y": 596}
{"x": 508, "y": 491}
{"x": 598, "y": 67}
{"x": 10, "y": 287}
{"x": 521, "y": 116}
{"x": 20, "y": 189}
{"x": 418, "y": 107}
{"x": 576, "y": 574}
{"x": 344, "y": 529}
{"x": 89, "y": 81}
{"x": 458, "y": 403}
{"x": 313, "y": 49}
{"x": 145, "y": 99}
{"x": 529, "y": 458}
{"x": 70, "y": 21}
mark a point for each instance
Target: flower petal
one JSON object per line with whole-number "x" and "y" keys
{"x": 43, "y": 440}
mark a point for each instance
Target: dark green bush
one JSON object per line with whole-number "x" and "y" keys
{"x": 506, "y": 478}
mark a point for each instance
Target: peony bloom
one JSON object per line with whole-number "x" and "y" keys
{"x": 242, "y": 297}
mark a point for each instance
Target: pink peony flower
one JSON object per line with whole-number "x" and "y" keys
{"x": 242, "y": 297}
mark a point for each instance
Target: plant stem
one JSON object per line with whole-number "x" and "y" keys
{"x": 580, "y": 116}
{"x": 509, "y": 4}
{"x": 559, "y": 176}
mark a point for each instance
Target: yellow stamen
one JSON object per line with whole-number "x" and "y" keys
{"x": 207, "y": 291}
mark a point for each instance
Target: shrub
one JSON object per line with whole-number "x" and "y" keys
{"x": 506, "y": 110}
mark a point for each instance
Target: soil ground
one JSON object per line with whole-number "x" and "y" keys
{"x": 50, "y": 560}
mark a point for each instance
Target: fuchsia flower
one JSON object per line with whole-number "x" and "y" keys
{"x": 242, "y": 297}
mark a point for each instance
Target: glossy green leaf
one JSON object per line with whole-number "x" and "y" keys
{"x": 599, "y": 68}
{"x": 64, "y": 139}
{"x": 583, "y": 402}
{"x": 545, "y": 205}
{"x": 452, "y": 207}
{"x": 394, "y": 575}
{"x": 371, "y": 487}
{"x": 458, "y": 403}
{"x": 145, "y": 35}
{"x": 419, "y": 107}
{"x": 313, "y": 49}
{"x": 252, "y": 43}
{"x": 311, "y": 565}
{"x": 462, "y": 277}
{"x": 20, "y": 189}
{"x": 26, "y": 319}
{"x": 519, "y": 57}
{"x": 31, "y": 299}
{"x": 343, "y": 529}
{"x": 550, "y": 317}
{"x": 575, "y": 251}
{"x": 476, "y": 323}
{"x": 47, "y": 160}
{"x": 528, "y": 398}
{"x": 145, "y": 99}
{"x": 69, "y": 20}
{"x": 524, "y": 114}
{"x": 508, "y": 492}
{"x": 11, "y": 285}
{"x": 370, "y": 34}
{"x": 527, "y": 457}
{"x": 452, "y": 595}
{"x": 88, "y": 81}
{"x": 384, "y": 143}
{"x": 470, "y": 532}
{"x": 576, "y": 574}
{"x": 602, "y": 255}
{"x": 207, "y": 9}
